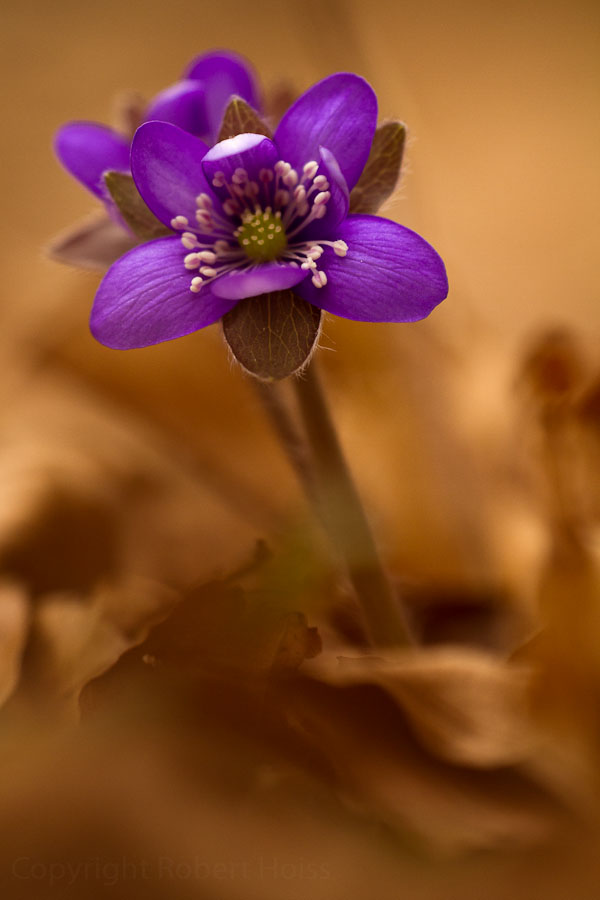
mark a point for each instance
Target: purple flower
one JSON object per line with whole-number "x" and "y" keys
{"x": 254, "y": 215}
{"x": 196, "y": 104}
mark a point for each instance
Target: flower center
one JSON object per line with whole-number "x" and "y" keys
{"x": 272, "y": 213}
{"x": 261, "y": 235}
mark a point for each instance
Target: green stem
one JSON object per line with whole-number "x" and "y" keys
{"x": 330, "y": 487}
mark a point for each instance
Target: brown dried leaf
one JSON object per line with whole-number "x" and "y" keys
{"x": 382, "y": 170}
{"x": 240, "y": 118}
{"x": 140, "y": 219}
{"x": 359, "y": 732}
{"x": 272, "y": 335}
{"x": 73, "y": 640}
{"x": 94, "y": 243}
{"x": 297, "y": 643}
{"x": 466, "y": 706}
{"x": 14, "y": 621}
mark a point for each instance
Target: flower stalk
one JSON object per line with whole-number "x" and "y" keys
{"x": 330, "y": 488}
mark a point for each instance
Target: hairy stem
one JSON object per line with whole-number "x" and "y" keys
{"x": 330, "y": 488}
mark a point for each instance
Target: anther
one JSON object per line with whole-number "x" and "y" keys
{"x": 282, "y": 198}
{"x": 207, "y": 256}
{"x": 196, "y": 284}
{"x": 231, "y": 208}
{"x": 290, "y": 179}
{"x": 179, "y": 223}
{"x": 204, "y": 218}
{"x": 310, "y": 169}
{"x": 322, "y": 198}
{"x": 265, "y": 175}
{"x": 319, "y": 279}
{"x": 192, "y": 261}
{"x": 321, "y": 183}
{"x": 208, "y": 271}
{"x": 340, "y": 248}
{"x": 189, "y": 240}
{"x": 240, "y": 176}
{"x": 219, "y": 179}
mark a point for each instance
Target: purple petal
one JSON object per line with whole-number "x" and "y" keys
{"x": 258, "y": 280}
{"x": 251, "y": 152}
{"x": 182, "y": 104}
{"x": 337, "y": 205}
{"x": 340, "y": 113}
{"x": 223, "y": 74}
{"x": 166, "y": 164}
{"x": 87, "y": 150}
{"x": 145, "y": 298}
{"x": 390, "y": 274}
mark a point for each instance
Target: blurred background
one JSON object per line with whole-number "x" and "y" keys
{"x": 128, "y": 480}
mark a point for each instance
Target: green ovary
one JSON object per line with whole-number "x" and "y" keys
{"x": 262, "y": 236}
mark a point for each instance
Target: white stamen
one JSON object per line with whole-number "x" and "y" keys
{"x": 319, "y": 279}
{"x": 321, "y": 183}
{"x": 321, "y": 198}
{"x": 204, "y": 219}
{"x": 240, "y": 176}
{"x": 208, "y": 271}
{"x": 265, "y": 175}
{"x": 192, "y": 261}
{"x": 282, "y": 168}
{"x": 231, "y": 208}
{"x": 189, "y": 240}
{"x": 282, "y": 198}
{"x": 340, "y": 248}
{"x": 221, "y": 246}
{"x": 196, "y": 284}
{"x": 204, "y": 201}
{"x": 179, "y": 223}
{"x": 207, "y": 256}
{"x": 300, "y": 193}
{"x": 310, "y": 169}
{"x": 290, "y": 179}
{"x": 219, "y": 179}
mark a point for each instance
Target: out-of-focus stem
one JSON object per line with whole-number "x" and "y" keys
{"x": 330, "y": 488}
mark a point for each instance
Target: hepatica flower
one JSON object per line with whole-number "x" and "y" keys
{"x": 196, "y": 104}
{"x": 254, "y": 215}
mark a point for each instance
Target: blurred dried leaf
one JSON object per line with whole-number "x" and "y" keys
{"x": 272, "y": 335}
{"x": 75, "y": 639}
{"x": 216, "y": 629}
{"x": 466, "y": 706}
{"x": 360, "y": 732}
{"x": 240, "y": 118}
{"x": 381, "y": 173}
{"x": 140, "y": 219}
{"x": 59, "y": 525}
{"x": 94, "y": 243}
{"x": 554, "y": 366}
{"x": 14, "y": 624}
